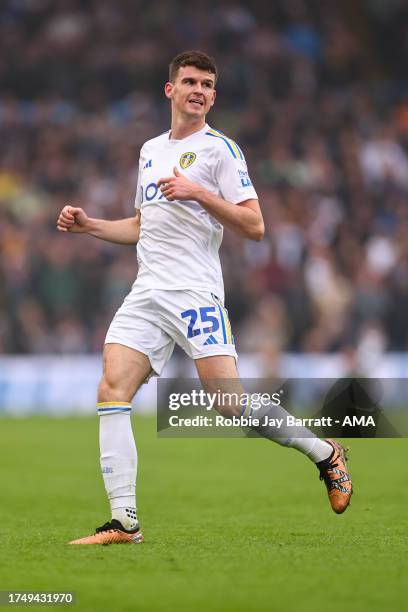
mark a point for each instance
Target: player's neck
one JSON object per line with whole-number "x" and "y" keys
{"x": 180, "y": 128}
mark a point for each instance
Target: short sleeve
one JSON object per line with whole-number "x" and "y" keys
{"x": 233, "y": 178}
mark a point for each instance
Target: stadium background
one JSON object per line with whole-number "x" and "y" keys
{"x": 310, "y": 90}
{"x": 316, "y": 94}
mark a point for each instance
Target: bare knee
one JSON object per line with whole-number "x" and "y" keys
{"x": 113, "y": 391}
{"x": 124, "y": 370}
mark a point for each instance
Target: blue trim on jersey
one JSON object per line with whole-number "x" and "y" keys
{"x": 229, "y": 142}
{"x": 239, "y": 149}
{"x": 224, "y": 333}
{"x": 233, "y": 141}
{"x": 226, "y": 142}
{"x": 234, "y": 155}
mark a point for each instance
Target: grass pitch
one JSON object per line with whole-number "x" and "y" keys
{"x": 229, "y": 524}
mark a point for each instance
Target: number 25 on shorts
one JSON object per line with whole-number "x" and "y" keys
{"x": 204, "y": 315}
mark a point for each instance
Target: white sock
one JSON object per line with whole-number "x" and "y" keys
{"x": 314, "y": 448}
{"x": 118, "y": 460}
{"x": 300, "y": 438}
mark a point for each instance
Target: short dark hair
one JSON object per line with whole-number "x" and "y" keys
{"x": 200, "y": 60}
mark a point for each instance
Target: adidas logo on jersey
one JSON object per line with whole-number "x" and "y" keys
{"x": 210, "y": 340}
{"x": 148, "y": 164}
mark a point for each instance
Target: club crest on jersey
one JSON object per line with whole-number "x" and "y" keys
{"x": 187, "y": 159}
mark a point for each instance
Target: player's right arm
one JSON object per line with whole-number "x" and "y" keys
{"x": 123, "y": 231}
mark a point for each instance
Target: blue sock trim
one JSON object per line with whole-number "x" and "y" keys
{"x": 114, "y": 410}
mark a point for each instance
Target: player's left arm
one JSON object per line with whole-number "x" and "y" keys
{"x": 244, "y": 218}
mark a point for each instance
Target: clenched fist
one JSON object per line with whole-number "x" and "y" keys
{"x": 73, "y": 219}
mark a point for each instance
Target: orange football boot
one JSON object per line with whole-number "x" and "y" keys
{"x": 112, "y": 532}
{"x": 336, "y": 477}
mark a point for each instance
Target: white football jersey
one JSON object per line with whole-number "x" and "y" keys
{"x": 179, "y": 240}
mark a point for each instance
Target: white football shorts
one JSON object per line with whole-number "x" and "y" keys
{"x": 152, "y": 321}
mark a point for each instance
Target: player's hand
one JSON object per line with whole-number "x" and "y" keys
{"x": 73, "y": 219}
{"x": 178, "y": 187}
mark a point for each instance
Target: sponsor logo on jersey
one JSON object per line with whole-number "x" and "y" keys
{"x": 151, "y": 192}
{"x": 245, "y": 180}
{"x": 187, "y": 159}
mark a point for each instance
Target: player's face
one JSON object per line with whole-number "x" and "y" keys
{"x": 192, "y": 92}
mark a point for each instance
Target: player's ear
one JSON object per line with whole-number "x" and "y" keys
{"x": 168, "y": 89}
{"x": 213, "y": 97}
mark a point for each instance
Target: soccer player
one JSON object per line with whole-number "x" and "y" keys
{"x": 192, "y": 181}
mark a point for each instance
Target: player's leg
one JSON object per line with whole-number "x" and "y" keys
{"x": 124, "y": 370}
{"x": 219, "y": 373}
{"x": 135, "y": 348}
{"x": 198, "y": 321}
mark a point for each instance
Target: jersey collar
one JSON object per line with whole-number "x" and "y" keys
{"x": 202, "y": 131}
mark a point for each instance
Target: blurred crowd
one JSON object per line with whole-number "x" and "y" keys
{"x": 319, "y": 108}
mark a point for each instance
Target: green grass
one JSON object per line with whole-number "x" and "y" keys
{"x": 229, "y": 524}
